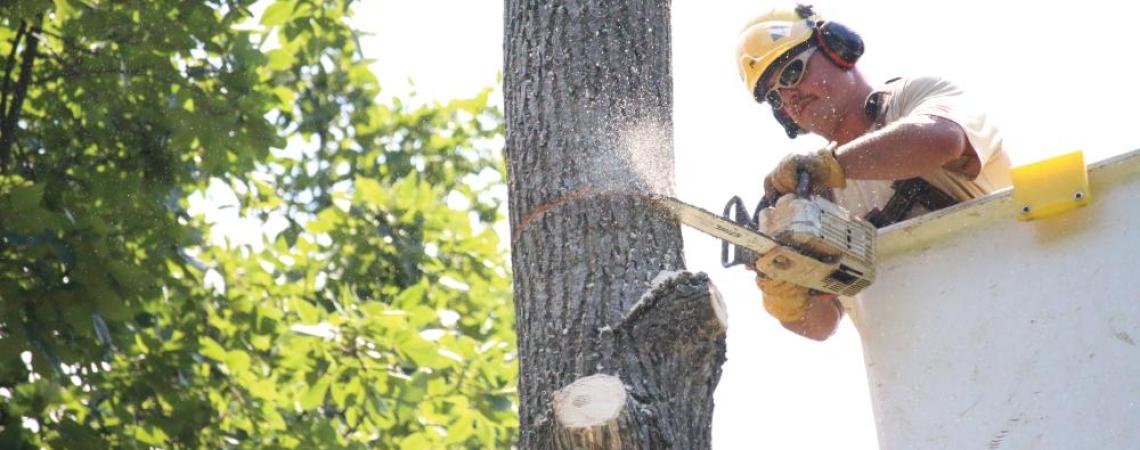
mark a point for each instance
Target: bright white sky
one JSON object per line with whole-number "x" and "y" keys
{"x": 1057, "y": 78}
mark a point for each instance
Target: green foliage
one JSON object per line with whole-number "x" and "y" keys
{"x": 378, "y": 316}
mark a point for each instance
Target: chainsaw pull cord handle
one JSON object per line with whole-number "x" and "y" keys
{"x": 767, "y": 201}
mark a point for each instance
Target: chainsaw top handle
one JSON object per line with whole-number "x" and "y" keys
{"x": 803, "y": 183}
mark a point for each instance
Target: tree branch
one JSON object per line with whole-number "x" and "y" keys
{"x": 8, "y": 70}
{"x": 670, "y": 348}
{"x": 11, "y": 116}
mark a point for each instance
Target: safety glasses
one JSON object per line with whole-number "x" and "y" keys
{"x": 790, "y": 76}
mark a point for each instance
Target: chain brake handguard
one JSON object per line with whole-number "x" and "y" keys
{"x": 735, "y": 211}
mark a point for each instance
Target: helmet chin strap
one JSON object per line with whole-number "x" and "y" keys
{"x": 804, "y": 11}
{"x": 790, "y": 126}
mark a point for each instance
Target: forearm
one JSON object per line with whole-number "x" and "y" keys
{"x": 820, "y": 320}
{"x": 904, "y": 149}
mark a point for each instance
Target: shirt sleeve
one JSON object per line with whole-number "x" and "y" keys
{"x": 935, "y": 96}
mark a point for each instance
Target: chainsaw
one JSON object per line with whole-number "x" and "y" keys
{"x": 802, "y": 239}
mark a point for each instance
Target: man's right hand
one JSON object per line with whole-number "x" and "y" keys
{"x": 824, "y": 170}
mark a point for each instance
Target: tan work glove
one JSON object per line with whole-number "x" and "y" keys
{"x": 785, "y": 301}
{"x": 821, "y": 165}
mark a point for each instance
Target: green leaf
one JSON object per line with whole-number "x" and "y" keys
{"x": 237, "y": 361}
{"x": 76, "y": 435}
{"x": 285, "y": 95}
{"x": 277, "y": 13}
{"x": 63, "y": 8}
{"x": 280, "y": 59}
{"x": 27, "y": 8}
{"x": 352, "y": 416}
{"x": 421, "y": 351}
{"x": 28, "y": 197}
{"x": 362, "y": 75}
{"x": 339, "y": 394}
{"x": 261, "y": 342}
{"x": 150, "y": 435}
{"x": 326, "y": 221}
{"x": 315, "y": 396}
{"x": 306, "y": 311}
{"x": 209, "y": 348}
{"x": 369, "y": 192}
{"x": 461, "y": 429}
{"x": 417, "y": 441}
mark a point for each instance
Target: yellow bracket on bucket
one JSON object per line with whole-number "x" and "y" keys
{"x": 1051, "y": 186}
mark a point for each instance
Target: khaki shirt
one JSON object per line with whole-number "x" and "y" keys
{"x": 935, "y": 97}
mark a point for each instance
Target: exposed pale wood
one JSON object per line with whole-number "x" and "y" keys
{"x": 588, "y": 412}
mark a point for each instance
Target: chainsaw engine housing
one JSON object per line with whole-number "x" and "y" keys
{"x": 823, "y": 231}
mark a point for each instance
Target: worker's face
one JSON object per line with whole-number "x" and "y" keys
{"x": 810, "y": 102}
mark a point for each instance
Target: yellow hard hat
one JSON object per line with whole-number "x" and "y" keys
{"x": 769, "y": 37}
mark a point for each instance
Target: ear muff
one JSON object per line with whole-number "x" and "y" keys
{"x": 840, "y": 44}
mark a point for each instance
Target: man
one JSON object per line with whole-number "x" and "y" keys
{"x": 896, "y": 151}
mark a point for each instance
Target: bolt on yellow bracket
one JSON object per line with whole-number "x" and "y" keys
{"x": 1050, "y": 187}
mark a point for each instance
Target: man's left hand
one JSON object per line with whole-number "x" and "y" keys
{"x": 821, "y": 166}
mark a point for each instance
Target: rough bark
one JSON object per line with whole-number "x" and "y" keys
{"x": 588, "y": 96}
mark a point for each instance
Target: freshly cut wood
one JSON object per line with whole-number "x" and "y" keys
{"x": 588, "y": 412}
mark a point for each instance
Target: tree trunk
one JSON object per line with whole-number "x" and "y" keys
{"x": 588, "y": 94}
